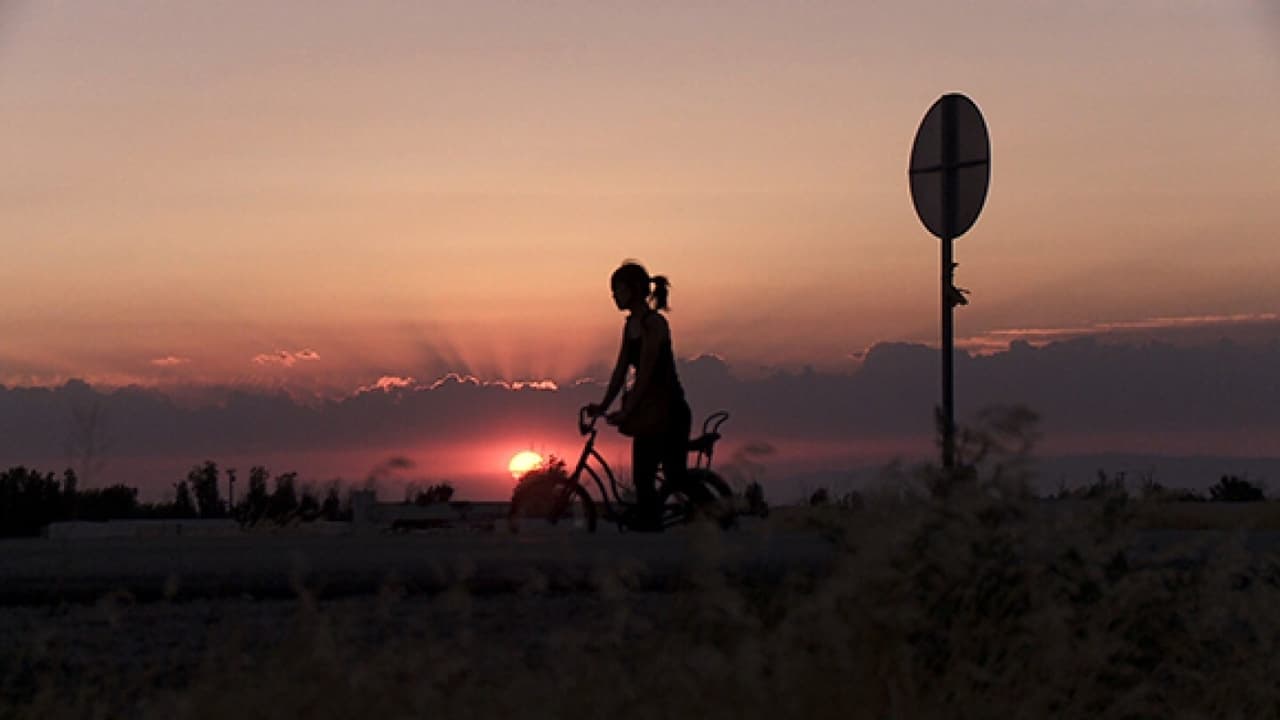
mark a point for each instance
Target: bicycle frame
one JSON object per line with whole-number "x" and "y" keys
{"x": 588, "y": 428}
{"x": 610, "y": 494}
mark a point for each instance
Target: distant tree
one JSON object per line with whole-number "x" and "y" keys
{"x": 110, "y": 503}
{"x": 331, "y": 508}
{"x": 183, "y": 506}
{"x": 231, "y": 490}
{"x": 29, "y": 501}
{"x": 257, "y": 500}
{"x": 820, "y": 497}
{"x": 1231, "y": 488}
{"x": 283, "y": 505}
{"x": 308, "y": 505}
{"x": 70, "y": 484}
{"x": 204, "y": 485}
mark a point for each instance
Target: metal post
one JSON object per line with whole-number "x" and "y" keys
{"x": 948, "y": 344}
{"x": 949, "y": 182}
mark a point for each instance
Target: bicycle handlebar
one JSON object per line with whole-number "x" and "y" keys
{"x": 711, "y": 425}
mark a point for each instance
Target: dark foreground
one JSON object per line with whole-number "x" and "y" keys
{"x": 283, "y": 565}
{"x": 967, "y": 611}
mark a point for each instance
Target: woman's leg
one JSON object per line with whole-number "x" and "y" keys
{"x": 675, "y": 447}
{"x": 646, "y": 453}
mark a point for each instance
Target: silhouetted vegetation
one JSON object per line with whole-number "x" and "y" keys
{"x": 537, "y": 487}
{"x": 283, "y": 504}
{"x": 430, "y": 495}
{"x": 184, "y": 507}
{"x": 968, "y": 605}
{"x": 1152, "y": 491}
{"x": 30, "y": 500}
{"x": 331, "y": 508}
{"x": 254, "y": 508}
{"x": 1104, "y": 487}
{"x": 1231, "y": 488}
{"x": 755, "y": 502}
{"x": 204, "y": 483}
{"x": 116, "y": 501}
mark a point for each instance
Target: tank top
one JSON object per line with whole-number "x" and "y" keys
{"x": 664, "y": 380}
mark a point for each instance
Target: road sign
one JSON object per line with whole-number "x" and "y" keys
{"x": 950, "y": 170}
{"x": 951, "y": 156}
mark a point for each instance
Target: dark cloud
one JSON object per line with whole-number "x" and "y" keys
{"x": 1179, "y": 400}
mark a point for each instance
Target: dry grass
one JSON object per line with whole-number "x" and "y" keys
{"x": 972, "y": 608}
{"x": 1208, "y": 516}
{"x": 982, "y": 605}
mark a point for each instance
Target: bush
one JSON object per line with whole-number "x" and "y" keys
{"x": 430, "y": 495}
{"x": 536, "y": 487}
{"x": 755, "y": 502}
{"x": 1231, "y": 488}
{"x": 819, "y": 497}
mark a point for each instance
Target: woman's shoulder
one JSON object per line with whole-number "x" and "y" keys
{"x": 655, "y": 323}
{"x": 651, "y": 324}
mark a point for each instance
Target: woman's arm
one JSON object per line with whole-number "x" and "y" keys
{"x": 616, "y": 380}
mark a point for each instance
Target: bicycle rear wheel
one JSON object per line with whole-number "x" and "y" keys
{"x": 704, "y": 494}
{"x": 718, "y": 488}
{"x": 551, "y": 504}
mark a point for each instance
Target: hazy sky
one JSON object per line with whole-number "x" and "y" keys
{"x": 414, "y": 187}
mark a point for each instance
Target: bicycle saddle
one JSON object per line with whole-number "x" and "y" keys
{"x": 704, "y": 442}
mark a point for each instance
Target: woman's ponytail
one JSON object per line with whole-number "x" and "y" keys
{"x": 659, "y": 294}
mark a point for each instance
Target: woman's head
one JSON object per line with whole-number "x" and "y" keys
{"x": 633, "y": 288}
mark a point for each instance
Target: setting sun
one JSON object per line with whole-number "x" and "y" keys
{"x": 522, "y": 462}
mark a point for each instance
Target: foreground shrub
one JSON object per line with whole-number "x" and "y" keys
{"x": 972, "y": 602}
{"x": 969, "y": 607}
{"x": 1231, "y": 488}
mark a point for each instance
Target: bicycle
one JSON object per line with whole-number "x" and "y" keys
{"x": 565, "y": 499}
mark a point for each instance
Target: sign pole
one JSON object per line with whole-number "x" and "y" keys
{"x": 949, "y": 192}
{"x": 948, "y": 358}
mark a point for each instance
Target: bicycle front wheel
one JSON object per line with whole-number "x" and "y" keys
{"x": 551, "y": 504}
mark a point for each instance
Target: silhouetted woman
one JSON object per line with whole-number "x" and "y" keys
{"x": 654, "y": 411}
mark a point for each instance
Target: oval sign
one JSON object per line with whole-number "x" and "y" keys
{"x": 950, "y": 166}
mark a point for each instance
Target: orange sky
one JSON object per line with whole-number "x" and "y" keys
{"x": 412, "y": 188}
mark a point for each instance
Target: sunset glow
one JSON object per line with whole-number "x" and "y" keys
{"x": 522, "y": 462}
{"x": 304, "y": 212}
{"x": 394, "y": 223}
